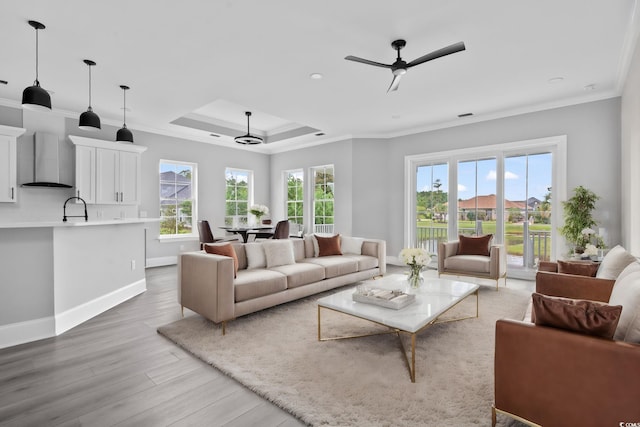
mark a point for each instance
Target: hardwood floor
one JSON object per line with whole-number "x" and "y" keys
{"x": 116, "y": 370}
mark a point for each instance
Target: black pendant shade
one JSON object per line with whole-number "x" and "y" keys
{"x": 35, "y": 97}
{"x": 124, "y": 134}
{"x": 89, "y": 120}
{"x": 248, "y": 139}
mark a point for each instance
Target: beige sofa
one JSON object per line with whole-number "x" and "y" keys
{"x": 208, "y": 287}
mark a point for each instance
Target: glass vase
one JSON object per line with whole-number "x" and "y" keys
{"x": 415, "y": 279}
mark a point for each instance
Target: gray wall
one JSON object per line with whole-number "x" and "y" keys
{"x": 377, "y": 166}
{"x": 630, "y": 184}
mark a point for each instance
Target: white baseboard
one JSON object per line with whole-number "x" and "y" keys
{"x": 79, "y": 314}
{"x": 162, "y": 261}
{"x": 23, "y": 332}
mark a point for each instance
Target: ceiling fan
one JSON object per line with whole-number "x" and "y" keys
{"x": 400, "y": 67}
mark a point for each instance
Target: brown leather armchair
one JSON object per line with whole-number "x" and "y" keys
{"x": 552, "y": 377}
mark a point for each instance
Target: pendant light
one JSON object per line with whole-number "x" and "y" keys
{"x": 124, "y": 134}
{"x": 34, "y": 97}
{"x": 89, "y": 120}
{"x": 248, "y": 139}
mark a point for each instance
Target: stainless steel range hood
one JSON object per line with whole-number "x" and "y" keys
{"x": 47, "y": 162}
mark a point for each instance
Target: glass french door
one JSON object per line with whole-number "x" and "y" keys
{"x": 476, "y": 212}
{"x": 528, "y": 208}
{"x": 432, "y": 219}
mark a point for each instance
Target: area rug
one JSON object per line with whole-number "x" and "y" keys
{"x": 364, "y": 381}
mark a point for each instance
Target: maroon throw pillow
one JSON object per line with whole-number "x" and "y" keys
{"x": 578, "y": 268}
{"x": 329, "y": 245}
{"x": 226, "y": 250}
{"x": 585, "y": 317}
{"x": 474, "y": 245}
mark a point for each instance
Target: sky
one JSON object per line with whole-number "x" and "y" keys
{"x": 483, "y": 174}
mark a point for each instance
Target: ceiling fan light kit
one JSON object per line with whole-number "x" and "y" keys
{"x": 400, "y": 67}
{"x": 35, "y": 97}
{"x": 248, "y": 139}
{"x": 124, "y": 134}
{"x": 89, "y": 120}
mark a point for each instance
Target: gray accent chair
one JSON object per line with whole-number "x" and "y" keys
{"x": 492, "y": 267}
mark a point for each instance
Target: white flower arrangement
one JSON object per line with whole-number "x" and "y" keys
{"x": 590, "y": 249}
{"x": 415, "y": 257}
{"x": 259, "y": 210}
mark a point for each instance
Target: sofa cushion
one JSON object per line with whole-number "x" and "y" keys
{"x": 258, "y": 282}
{"x": 578, "y": 268}
{"x": 298, "y": 249}
{"x": 582, "y": 316}
{"x": 474, "y": 245}
{"x": 626, "y": 292}
{"x": 301, "y": 273}
{"x": 336, "y": 265}
{"x": 279, "y": 252}
{"x": 256, "y": 257}
{"x": 351, "y": 245}
{"x": 614, "y": 262}
{"x": 241, "y": 254}
{"x": 310, "y": 246}
{"x": 328, "y": 246}
{"x": 468, "y": 263}
{"x": 365, "y": 262}
{"x": 224, "y": 249}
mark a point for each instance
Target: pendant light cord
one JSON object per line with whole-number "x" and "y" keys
{"x": 89, "y": 86}
{"x": 124, "y": 110}
{"x": 36, "y": 83}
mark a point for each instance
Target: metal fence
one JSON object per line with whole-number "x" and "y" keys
{"x": 323, "y": 228}
{"x": 539, "y": 242}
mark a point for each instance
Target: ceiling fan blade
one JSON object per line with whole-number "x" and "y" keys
{"x": 366, "y": 61}
{"x": 394, "y": 83}
{"x": 456, "y": 47}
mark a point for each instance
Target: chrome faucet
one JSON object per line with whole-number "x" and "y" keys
{"x": 64, "y": 210}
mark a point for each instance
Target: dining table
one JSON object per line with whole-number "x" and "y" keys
{"x": 243, "y": 230}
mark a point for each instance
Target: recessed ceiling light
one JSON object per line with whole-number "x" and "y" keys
{"x": 215, "y": 135}
{"x": 590, "y": 87}
{"x": 465, "y": 114}
{"x": 3, "y": 82}
{"x": 315, "y": 76}
{"x": 554, "y": 80}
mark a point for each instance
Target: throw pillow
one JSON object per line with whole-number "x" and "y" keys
{"x": 279, "y": 252}
{"x": 626, "y": 292}
{"x": 225, "y": 250}
{"x": 578, "y": 268}
{"x": 474, "y": 245}
{"x": 329, "y": 245}
{"x": 351, "y": 245}
{"x": 582, "y": 316}
{"x": 255, "y": 255}
{"x": 614, "y": 262}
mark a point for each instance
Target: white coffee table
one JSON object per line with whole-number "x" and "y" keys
{"x": 435, "y": 297}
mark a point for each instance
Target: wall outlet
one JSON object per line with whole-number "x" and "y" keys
{"x": 133, "y": 264}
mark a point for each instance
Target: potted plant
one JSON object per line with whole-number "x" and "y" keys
{"x": 578, "y": 220}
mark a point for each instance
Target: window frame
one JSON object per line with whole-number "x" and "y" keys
{"x": 287, "y": 201}
{"x": 312, "y": 195}
{"x": 193, "y": 198}
{"x": 228, "y": 220}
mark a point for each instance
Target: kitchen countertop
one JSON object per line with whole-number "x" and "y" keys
{"x": 76, "y": 222}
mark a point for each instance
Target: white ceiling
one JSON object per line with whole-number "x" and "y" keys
{"x": 207, "y": 62}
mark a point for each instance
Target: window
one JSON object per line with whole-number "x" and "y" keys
{"x": 502, "y": 189}
{"x": 323, "y": 199}
{"x": 431, "y": 205}
{"x": 177, "y": 198}
{"x": 238, "y": 192}
{"x": 295, "y": 196}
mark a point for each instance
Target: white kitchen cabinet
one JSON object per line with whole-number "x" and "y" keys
{"x": 86, "y": 173}
{"x": 8, "y": 163}
{"x": 108, "y": 173}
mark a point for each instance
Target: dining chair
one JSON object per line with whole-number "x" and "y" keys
{"x": 206, "y": 236}
{"x": 281, "y": 231}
